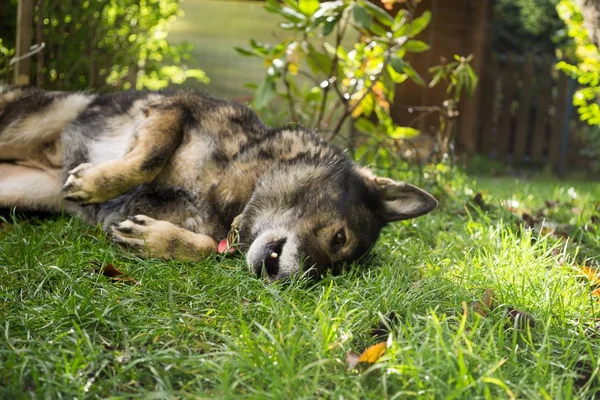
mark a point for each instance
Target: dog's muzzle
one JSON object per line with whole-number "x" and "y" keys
{"x": 273, "y": 255}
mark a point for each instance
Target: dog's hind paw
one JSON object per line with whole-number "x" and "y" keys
{"x": 145, "y": 235}
{"x": 80, "y": 187}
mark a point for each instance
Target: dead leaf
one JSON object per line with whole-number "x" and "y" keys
{"x": 584, "y": 370}
{"x": 593, "y": 275}
{"x": 488, "y": 297}
{"x": 373, "y": 353}
{"x": 551, "y": 203}
{"x": 519, "y": 319}
{"x": 110, "y": 271}
{"x": 352, "y": 360}
{"x": 369, "y": 356}
{"x": 478, "y": 200}
{"x": 595, "y": 219}
{"x": 529, "y": 221}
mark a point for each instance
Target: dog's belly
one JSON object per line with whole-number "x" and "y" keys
{"x": 109, "y": 147}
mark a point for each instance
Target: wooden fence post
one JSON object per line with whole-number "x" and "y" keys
{"x": 24, "y": 33}
{"x": 540, "y": 125}
{"x": 560, "y": 108}
{"x": 509, "y": 85}
{"x": 524, "y": 114}
{"x": 488, "y": 134}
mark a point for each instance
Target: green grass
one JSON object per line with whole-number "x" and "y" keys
{"x": 211, "y": 330}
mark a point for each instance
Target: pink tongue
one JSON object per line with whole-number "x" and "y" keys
{"x": 223, "y": 246}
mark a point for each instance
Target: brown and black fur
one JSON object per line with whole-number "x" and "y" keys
{"x": 186, "y": 165}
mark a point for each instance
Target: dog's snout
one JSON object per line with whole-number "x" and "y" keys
{"x": 269, "y": 265}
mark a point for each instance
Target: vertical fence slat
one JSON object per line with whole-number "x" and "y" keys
{"x": 488, "y": 107}
{"x": 560, "y": 108}
{"x": 524, "y": 113}
{"x": 24, "y": 33}
{"x": 543, "y": 104}
{"x": 509, "y": 86}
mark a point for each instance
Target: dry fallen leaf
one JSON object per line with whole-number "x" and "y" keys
{"x": 482, "y": 307}
{"x": 519, "y": 319}
{"x": 369, "y": 356}
{"x": 110, "y": 271}
{"x": 593, "y": 275}
{"x": 529, "y": 221}
{"x": 478, "y": 200}
{"x": 585, "y": 371}
{"x": 352, "y": 360}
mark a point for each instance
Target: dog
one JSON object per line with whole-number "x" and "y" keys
{"x": 168, "y": 173}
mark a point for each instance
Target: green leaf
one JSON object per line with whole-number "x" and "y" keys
{"x": 403, "y": 132}
{"x": 381, "y": 15}
{"x": 265, "y": 93}
{"x": 364, "y": 125}
{"x": 416, "y": 46}
{"x": 378, "y": 30}
{"x": 403, "y": 67}
{"x": 361, "y": 16}
{"x": 318, "y": 61}
{"x": 245, "y": 52}
{"x": 419, "y": 24}
{"x": 328, "y": 27}
{"x": 308, "y": 7}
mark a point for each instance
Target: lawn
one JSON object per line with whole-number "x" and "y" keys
{"x": 211, "y": 330}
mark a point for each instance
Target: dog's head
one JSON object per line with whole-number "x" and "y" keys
{"x": 309, "y": 215}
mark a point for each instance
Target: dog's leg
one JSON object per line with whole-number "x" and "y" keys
{"x": 30, "y": 188}
{"x": 155, "y": 140}
{"x": 162, "y": 239}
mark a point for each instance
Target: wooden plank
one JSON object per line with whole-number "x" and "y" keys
{"x": 509, "y": 86}
{"x": 524, "y": 112}
{"x": 477, "y": 42}
{"x": 560, "y": 109}
{"x": 540, "y": 125}
{"x": 24, "y": 33}
{"x": 488, "y": 108}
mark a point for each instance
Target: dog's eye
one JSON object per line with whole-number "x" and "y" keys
{"x": 339, "y": 239}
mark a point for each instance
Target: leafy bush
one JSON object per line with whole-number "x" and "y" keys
{"x": 526, "y": 26}
{"x": 586, "y": 69}
{"x": 110, "y": 44}
{"x": 329, "y": 80}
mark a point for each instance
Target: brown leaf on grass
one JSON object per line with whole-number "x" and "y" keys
{"x": 595, "y": 219}
{"x": 593, "y": 276}
{"x": 529, "y": 221}
{"x": 369, "y": 356}
{"x": 111, "y": 272}
{"x": 551, "y": 203}
{"x": 585, "y": 372}
{"x": 352, "y": 360}
{"x": 482, "y": 307}
{"x": 478, "y": 200}
{"x": 519, "y": 319}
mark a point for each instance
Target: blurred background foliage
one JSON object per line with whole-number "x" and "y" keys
{"x": 107, "y": 45}
{"x": 104, "y": 45}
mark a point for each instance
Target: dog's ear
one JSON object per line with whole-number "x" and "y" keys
{"x": 399, "y": 200}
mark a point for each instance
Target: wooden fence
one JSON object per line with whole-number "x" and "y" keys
{"x": 524, "y": 111}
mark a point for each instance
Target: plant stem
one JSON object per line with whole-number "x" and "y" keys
{"x": 289, "y": 96}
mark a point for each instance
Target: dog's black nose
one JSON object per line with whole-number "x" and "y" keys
{"x": 269, "y": 265}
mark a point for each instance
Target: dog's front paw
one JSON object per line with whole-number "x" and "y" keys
{"x": 80, "y": 186}
{"x": 146, "y": 235}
